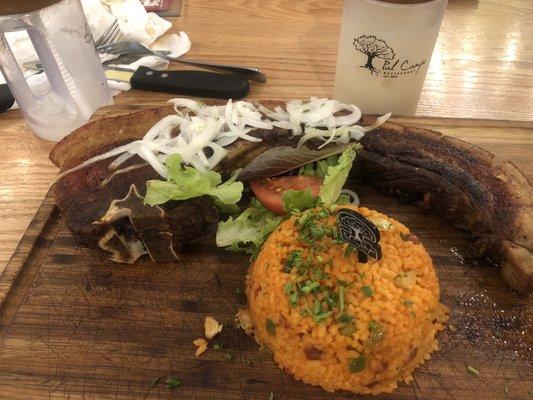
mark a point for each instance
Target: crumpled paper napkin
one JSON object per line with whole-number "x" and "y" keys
{"x": 135, "y": 24}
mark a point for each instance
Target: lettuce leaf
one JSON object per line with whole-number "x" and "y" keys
{"x": 186, "y": 182}
{"x": 336, "y": 176}
{"x": 319, "y": 168}
{"x": 298, "y": 200}
{"x": 343, "y": 199}
{"x": 249, "y": 230}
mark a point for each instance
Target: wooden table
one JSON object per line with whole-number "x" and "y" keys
{"x": 482, "y": 68}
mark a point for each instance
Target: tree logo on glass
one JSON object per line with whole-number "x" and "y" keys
{"x": 392, "y": 67}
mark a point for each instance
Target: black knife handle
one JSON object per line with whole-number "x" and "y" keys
{"x": 191, "y": 83}
{"x": 6, "y": 98}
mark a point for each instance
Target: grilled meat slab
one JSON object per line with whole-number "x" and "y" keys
{"x": 445, "y": 175}
{"x": 461, "y": 182}
{"x": 105, "y": 209}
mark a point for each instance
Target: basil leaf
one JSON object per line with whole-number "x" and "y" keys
{"x": 279, "y": 160}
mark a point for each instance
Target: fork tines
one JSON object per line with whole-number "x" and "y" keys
{"x": 111, "y": 35}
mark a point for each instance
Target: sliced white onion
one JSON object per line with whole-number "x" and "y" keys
{"x": 330, "y": 139}
{"x": 147, "y": 155}
{"x": 226, "y": 140}
{"x": 379, "y": 121}
{"x": 162, "y": 128}
{"x": 282, "y": 124}
{"x": 349, "y": 119}
{"x": 202, "y": 126}
{"x": 218, "y": 154}
{"x": 354, "y": 199}
{"x": 111, "y": 153}
{"x": 119, "y": 160}
{"x": 192, "y": 105}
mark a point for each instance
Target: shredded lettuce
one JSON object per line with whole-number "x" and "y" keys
{"x": 336, "y": 176}
{"x": 186, "y": 182}
{"x": 298, "y": 200}
{"x": 249, "y": 230}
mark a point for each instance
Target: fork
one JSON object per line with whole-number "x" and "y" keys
{"x": 133, "y": 47}
{"x": 111, "y": 35}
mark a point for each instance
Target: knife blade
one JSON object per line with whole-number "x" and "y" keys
{"x": 187, "y": 82}
{"x": 6, "y": 97}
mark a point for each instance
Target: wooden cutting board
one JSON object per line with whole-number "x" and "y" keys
{"x": 74, "y": 325}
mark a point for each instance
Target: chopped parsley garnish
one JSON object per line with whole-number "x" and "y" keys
{"x": 218, "y": 346}
{"x": 472, "y": 370}
{"x": 376, "y": 331}
{"x": 172, "y": 382}
{"x": 319, "y": 314}
{"x": 367, "y": 290}
{"x": 344, "y": 283}
{"x": 349, "y": 250}
{"x": 304, "y": 219}
{"x": 323, "y": 214}
{"x": 319, "y": 274}
{"x": 293, "y": 299}
{"x": 408, "y": 303}
{"x": 310, "y": 286}
{"x": 229, "y": 356}
{"x": 317, "y": 231}
{"x": 311, "y": 282}
{"x": 238, "y": 290}
{"x": 294, "y": 259}
{"x": 344, "y": 318}
{"x": 357, "y": 365}
{"x": 270, "y": 327}
{"x": 348, "y": 329}
{"x": 306, "y": 312}
{"x": 341, "y": 298}
{"x": 322, "y": 316}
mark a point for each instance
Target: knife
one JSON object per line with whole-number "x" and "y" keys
{"x": 189, "y": 83}
{"x": 6, "y": 98}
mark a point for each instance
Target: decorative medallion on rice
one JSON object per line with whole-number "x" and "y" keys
{"x": 333, "y": 321}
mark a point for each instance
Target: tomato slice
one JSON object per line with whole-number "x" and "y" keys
{"x": 269, "y": 191}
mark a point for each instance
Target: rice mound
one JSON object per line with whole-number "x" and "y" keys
{"x": 382, "y": 329}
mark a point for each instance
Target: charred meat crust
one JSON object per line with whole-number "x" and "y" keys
{"x": 446, "y": 175}
{"x": 460, "y": 182}
{"x": 84, "y": 201}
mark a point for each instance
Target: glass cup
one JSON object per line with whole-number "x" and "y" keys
{"x": 75, "y": 86}
{"x": 384, "y": 53}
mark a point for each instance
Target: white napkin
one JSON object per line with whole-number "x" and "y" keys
{"x": 135, "y": 24}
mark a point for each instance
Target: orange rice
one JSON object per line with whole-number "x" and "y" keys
{"x": 395, "y": 319}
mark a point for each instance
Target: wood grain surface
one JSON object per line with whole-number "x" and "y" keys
{"x": 75, "y": 325}
{"x": 482, "y": 68}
